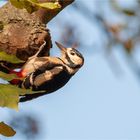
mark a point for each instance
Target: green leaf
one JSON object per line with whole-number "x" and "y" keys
{"x": 129, "y": 12}
{"x": 9, "y": 95}
{"x": 6, "y": 130}
{"x": 9, "y": 58}
{"x": 8, "y": 77}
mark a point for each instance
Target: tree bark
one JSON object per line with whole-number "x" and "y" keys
{"x": 22, "y": 33}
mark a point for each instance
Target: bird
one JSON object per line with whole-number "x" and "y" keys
{"x": 47, "y": 74}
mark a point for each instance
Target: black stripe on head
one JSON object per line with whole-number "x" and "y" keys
{"x": 78, "y": 53}
{"x": 71, "y": 64}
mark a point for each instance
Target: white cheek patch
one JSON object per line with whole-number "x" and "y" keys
{"x": 69, "y": 49}
{"x": 76, "y": 59}
{"x": 79, "y": 61}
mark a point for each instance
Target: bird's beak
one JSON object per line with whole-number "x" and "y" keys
{"x": 61, "y": 47}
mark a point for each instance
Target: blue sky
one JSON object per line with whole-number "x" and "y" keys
{"x": 94, "y": 105}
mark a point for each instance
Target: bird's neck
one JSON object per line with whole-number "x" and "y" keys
{"x": 70, "y": 69}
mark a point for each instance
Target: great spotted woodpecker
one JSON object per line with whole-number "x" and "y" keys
{"x": 48, "y": 74}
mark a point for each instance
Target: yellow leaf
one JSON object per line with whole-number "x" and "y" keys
{"x": 34, "y": 5}
{"x": 17, "y": 4}
{"x": 129, "y": 12}
{"x": 50, "y": 5}
{"x": 6, "y": 130}
{"x": 29, "y": 6}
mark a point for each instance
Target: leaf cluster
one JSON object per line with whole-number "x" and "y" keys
{"x": 34, "y": 5}
{"x": 10, "y": 94}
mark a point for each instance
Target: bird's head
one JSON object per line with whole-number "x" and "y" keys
{"x": 71, "y": 57}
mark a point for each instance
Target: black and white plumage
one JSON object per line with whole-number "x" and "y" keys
{"x": 49, "y": 74}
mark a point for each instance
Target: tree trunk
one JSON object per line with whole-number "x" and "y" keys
{"x": 22, "y": 33}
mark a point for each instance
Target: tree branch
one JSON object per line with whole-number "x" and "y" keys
{"x": 22, "y": 33}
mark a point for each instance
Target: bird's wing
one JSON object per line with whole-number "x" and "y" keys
{"x": 39, "y": 80}
{"x": 42, "y": 76}
{"x": 37, "y": 63}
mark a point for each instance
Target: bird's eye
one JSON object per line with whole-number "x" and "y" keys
{"x": 72, "y": 53}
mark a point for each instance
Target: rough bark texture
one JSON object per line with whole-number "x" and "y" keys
{"x": 22, "y": 33}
